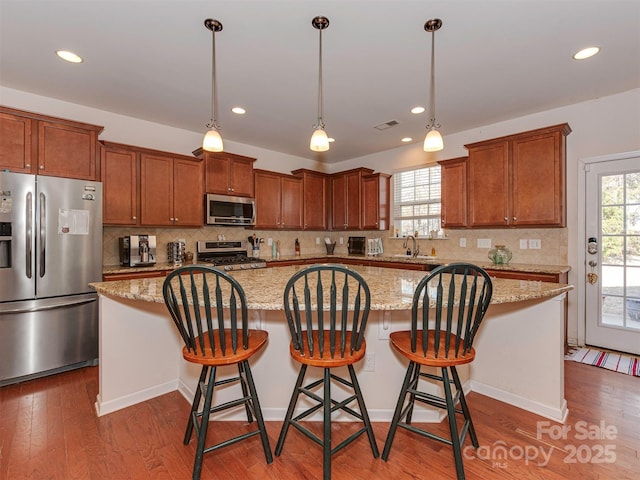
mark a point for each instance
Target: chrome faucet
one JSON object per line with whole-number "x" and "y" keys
{"x": 415, "y": 249}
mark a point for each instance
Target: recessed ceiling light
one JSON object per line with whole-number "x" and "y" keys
{"x": 331, "y": 139}
{"x": 417, "y": 110}
{"x": 586, "y": 53}
{"x": 407, "y": 139}
{"x": 69, "y": 56}
{"x": 239, "y": 110}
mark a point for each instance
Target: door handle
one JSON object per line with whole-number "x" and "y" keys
{"x": 43, "y": 233}
{"x": 29, "y": 234}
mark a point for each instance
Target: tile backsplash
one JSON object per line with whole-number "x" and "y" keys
{"x": 552, "y": 242}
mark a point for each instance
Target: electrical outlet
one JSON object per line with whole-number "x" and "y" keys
{"x": 535, "y": 243}
{"x": 484, "y": 243}
{"x": 317, "y": 240}
{"x": 463, "y": 242}
{"x": 269, "y": 241}
{"x": 341, "y": 240}
{"x": 370, "y": 362}
{"x": 523, "y": 244}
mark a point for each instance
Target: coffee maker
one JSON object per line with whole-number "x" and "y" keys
{"x": 137, "y": 250}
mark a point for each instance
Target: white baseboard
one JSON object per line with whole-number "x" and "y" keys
{"x": 104, "y": 408}
{"x": 557, "y": 414}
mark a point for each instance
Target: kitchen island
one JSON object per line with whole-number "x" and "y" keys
{"x": 520, "y": 345}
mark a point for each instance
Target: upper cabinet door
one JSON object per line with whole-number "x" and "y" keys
{"x": 15, "y": 143}
{"x": 454, "y": 192}
{"x": 188, "y": 195}
{"x": 67, "y": 151}
{"x": 315, "y": 186}
{"x": 538, "y": 176}
{"x": 268, "y": 199}
{"x": 156, "y": 190}
{"x": 375, "y": 201}
{"x": 119, "y": 168}
{"x": 291, "y": 202}
{"x": 489, "y": 185}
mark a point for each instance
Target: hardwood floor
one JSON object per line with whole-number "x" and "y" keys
{"x": 49, "y": 430}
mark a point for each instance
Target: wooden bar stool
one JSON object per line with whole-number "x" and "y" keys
{"x": 327, "y": 307}
{"x": 209, "y": 309}
{"x": 448, "y": 307}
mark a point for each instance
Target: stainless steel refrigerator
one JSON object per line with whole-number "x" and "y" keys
{"x": 50, "y": 250}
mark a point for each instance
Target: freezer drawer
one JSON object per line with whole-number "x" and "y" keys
{"x": 40, "y": 337}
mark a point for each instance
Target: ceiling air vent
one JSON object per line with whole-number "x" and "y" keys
{"x": 385, "y": 125}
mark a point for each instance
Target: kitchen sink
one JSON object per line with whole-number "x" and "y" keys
{"x": 404, "y": 255}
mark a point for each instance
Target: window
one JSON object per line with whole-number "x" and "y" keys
{"x": 417, "y": 201}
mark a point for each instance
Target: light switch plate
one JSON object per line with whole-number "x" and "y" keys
{"x": 535, "y": 243}
{"x": 523, "y": 244}
{"x": 463, "y": 242}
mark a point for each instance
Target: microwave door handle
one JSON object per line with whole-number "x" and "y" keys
{"x": 43, "y": 233}
{"x": 29, "y": 233}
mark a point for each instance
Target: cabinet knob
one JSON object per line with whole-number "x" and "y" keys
{"x": 41, "y": 167}
{"x": 515, "y": 219}
{"x": 134, "y": 218}
{"x": 175, "y": 219}
{"x": 27, "y": 165}
{"x": 506, "y": 219}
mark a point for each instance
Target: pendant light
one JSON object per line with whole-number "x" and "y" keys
{"x": 319, "y": 140}
{"x": 212, "y": 140}
{"x": 433, "y": 141}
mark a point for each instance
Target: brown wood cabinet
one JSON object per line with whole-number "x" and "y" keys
{"x": 171, "y": 190}
{"x": 315, "y": 186}
{"x": 375, "y": 201}
{"x": 39, "y": 144}
{"x": 279, "y": 200}
{"x": 227, "y": 173}
{"x": 16, "y": 152}
{"x": 108, "y": 277}
{"x": 346, "y": 199}
{"x": 453, "y": 212}
{"x": 120, "y": 180}
{"x": 519, "y": 180}
{"x": 149, "y": 187}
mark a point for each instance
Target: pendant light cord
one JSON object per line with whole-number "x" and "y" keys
{"x": 320, "y": 123}
{"x": 432, "y": 89}
{"x": 214, "y": 88}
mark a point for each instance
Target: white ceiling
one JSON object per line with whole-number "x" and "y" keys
{"x": 495, "y": 60}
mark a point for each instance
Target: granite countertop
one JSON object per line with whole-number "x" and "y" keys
{"x": 511, "y": 267}
{"x": 391, "y": 289}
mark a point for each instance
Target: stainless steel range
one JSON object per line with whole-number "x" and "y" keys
{"x": 227, "y": 255}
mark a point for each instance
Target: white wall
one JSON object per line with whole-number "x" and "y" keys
{"x": 603, "y": 126}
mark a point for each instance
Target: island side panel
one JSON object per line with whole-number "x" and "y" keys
{"x": 139, "y": 353}
{"x": 520, "y": 356}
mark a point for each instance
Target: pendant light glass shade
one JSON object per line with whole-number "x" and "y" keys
{"x": 319, "y": 140}
{"x": 212, "y": 141}
{"x": 433, "y": 141}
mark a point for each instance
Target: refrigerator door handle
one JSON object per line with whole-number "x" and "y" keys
{"x": 63, "y": 303}
{"x": 29, "y": 234}
{"x": 43, "y": 234}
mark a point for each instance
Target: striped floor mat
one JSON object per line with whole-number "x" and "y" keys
{"x": 612, "y": 361}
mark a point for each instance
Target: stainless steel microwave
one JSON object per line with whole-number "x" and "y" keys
{"x": 228, "y": 210}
